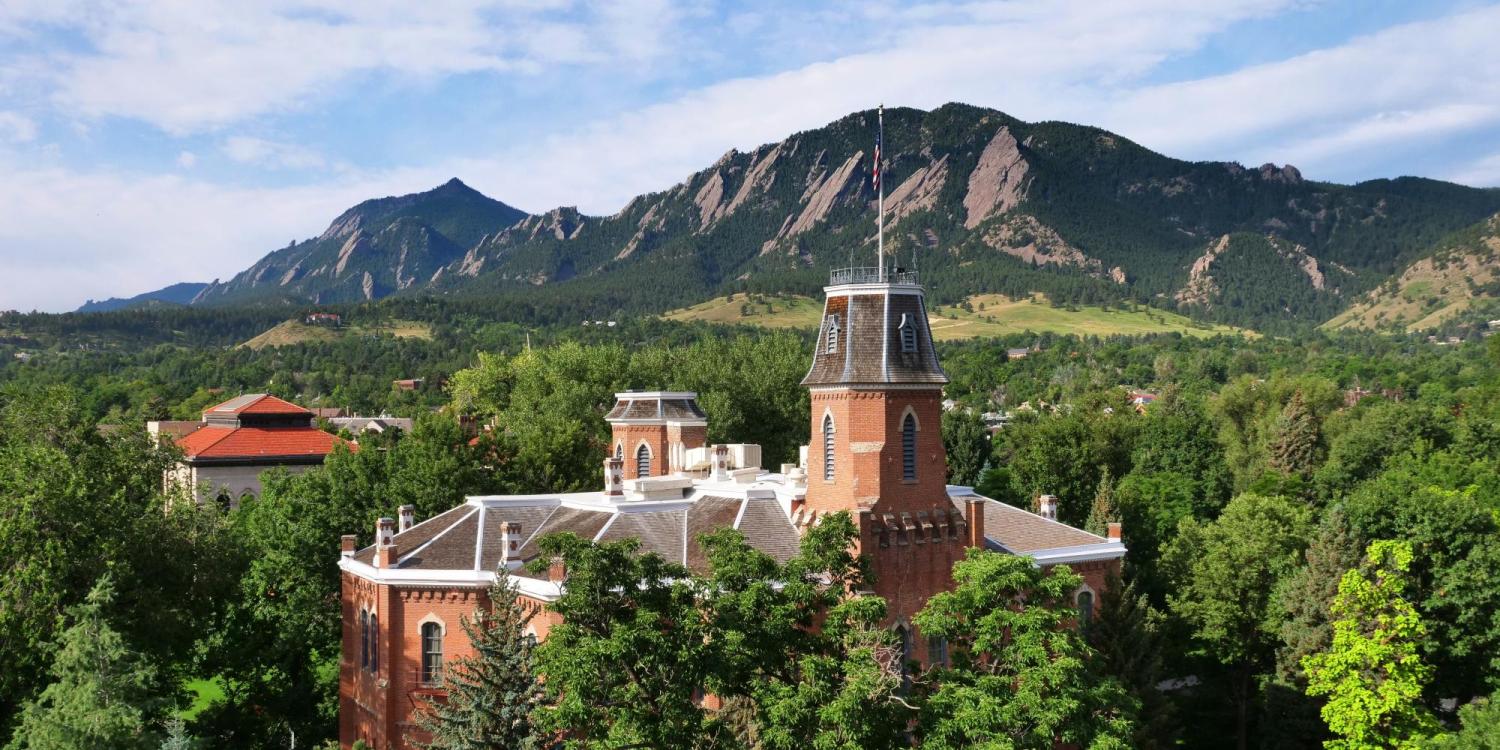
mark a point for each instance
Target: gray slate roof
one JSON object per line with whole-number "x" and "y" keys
{"x": 869, "y": 341}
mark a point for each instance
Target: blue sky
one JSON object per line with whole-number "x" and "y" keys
{"x": 144, "y": 143}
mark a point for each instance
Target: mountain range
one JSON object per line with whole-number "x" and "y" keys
{"x": 978, "y": 201}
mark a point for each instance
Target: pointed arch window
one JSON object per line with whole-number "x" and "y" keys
{"x": 374, "y": 643}
{"x": 909, "y": 447}
{"x": 432, "y": 653}
{"x": 364, "y": 639}
{"x": 833, "y": 334}
{"x": 1085, "y": 603}
{"x": 828, "y": 447}
{"x": 643, "y": 461}
{"x": 908, "y": 331}
{"x": 619, "y": 451}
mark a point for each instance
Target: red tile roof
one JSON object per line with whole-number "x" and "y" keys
{"x": 253, "y": 442}
{"x": 256, "y": 403}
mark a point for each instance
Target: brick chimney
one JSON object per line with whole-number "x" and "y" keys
{"x": 510, "y": 542}
{"x": 974, "y": 519}
{"x": 718, "y": 457}
{"x": 1114, "y": 531}
{"x": 346, "y": 545}
{"x": 1047, "y": 507}
{"x": 614, "y": 477}
{"x": 407, "y": 516}
{"x": 556, "y": 571}
{"x": 385, "y": 543}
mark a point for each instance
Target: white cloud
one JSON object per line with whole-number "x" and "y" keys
{"x": 187, "y": 159}
{"x": 1483, "y": 172}
{"x": 16, "y": 128}
{"x": 248, "y": 150}
{"x": 194, "y": 65}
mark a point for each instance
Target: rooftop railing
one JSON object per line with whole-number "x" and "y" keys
{"x": 871, "y": 275}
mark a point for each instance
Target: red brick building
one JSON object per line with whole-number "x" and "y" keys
{"x": 876, "y": 451}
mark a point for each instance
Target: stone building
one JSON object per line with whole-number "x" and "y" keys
{"x": 876, "y": 451}
{"x": 224, "y": 455}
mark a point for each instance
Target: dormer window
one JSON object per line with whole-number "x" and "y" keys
{"x": 833, "y": 334}
{"x": 908, "y": 331}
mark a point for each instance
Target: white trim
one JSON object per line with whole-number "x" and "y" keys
{"x": 912, "y": 412}
{"x": 740, "y": 516}
{"x": 607, "y": 523}
{"x": 1079, "y": 554}
{"x": 658, "y": 395}
{"x": 849, "y": 290}
{"x": 479, "y": 538}
{"x": 885, "y": 340}
{"x": 432, "y": 618}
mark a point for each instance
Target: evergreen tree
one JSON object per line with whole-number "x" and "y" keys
{"x": 1104, "y": 510}
{"x": 490, "y": 695}
{"x": 1480, "y": 728}
{"x": 1127, "y": 635}
{"x": 1296, "y": 443}
{"x": 1307, "y": 596}
{"x": 177, "y": 736}
{"x": 101, "y": 694}
{"x": 1373, "y": 672}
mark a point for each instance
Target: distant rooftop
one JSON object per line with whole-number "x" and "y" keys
{"x": 256, "y": 403}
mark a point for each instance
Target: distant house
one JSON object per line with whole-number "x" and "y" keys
{"x": 408, "y": 384}
{"x": 1142, "y": 399}
{"x": 1356, "y": 394}
{"x": 23, "y": 356}
{"x": 329, "y": 412}
{"x": 370, "y": 425}
{"x": 1017, "y": 353}
{"x": 324, "y": 319}
{"x": 223, "y": 456}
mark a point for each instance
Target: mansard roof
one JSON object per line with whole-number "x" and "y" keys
{"x": 865, "y": 348}
{"x": 468, "y": 537}
{"x": 656, "y": 406}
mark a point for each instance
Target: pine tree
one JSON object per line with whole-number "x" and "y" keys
{"x": 1308, "y": 594}
{"x": 490, "y": 695}
{"x": 1127, "y": 636}
{"x": 1104, "y": 510}
{"x": 100, "y": 696}
{"x": 1296, "y": 443}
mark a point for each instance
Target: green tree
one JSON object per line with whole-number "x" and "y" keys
{"x": 1480, "y": 728}
{"x": 1225, "y": 573}
{"x": 1104, "y": 511}
{"x": 1296, "y": 446}
{"x": 1022, "y": 675}
{"x": 967, "y": 443}
{"x": 1127, "y": 635}
{"x": 101, "y": 696}
{"x": 1372, "y": 672}
{"x": 490, "y": 696}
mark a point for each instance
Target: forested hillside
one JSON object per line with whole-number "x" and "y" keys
{"x": 979, "y": 201}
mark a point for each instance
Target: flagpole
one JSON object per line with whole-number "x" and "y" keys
{"x": 880, "y": 195}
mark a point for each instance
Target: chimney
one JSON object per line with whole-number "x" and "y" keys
{"x": 719, "y": 463}
{"x": 346, "y": 545}
{"x": 1047, "y": 507}
{"x": 1114, "y": 531}
{"x": 510, "y": 542}
{"x": 974, "y": 519}
{"x": 614, "y": 477}
{"x": 556, "y": 571}
{"x": 385, "y": 543}
{"x": 407, "y": 514}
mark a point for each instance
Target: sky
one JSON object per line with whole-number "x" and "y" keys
{"x": 150, "y": 142}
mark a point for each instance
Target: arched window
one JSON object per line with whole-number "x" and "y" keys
{"x": 432, "y": 653}
{"x": 1085, "y": 607}
{"x": 364, "y": 640}
{"x": 908, "y": 331}
{"x": 909, "y": 447}
{"x": 833, "y": 334}
{"x": 374, "y": 643}
{"x": 903, "y": 633}
{"x": 620, "y": 451}
{"x": 643, "y": 461}
{"x": 828, "y": 447}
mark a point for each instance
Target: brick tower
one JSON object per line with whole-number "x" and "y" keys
{"x": 876, "y": 446}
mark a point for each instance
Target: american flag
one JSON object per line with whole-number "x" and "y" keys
{"x": 879, "y": 136}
